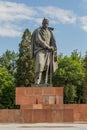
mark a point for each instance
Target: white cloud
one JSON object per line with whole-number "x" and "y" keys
{"x": 12, "y": 12}
{"x": 83, "y": 19}
{"x": 12, "y": 16}
{"x": 84, "y": 28}
{"x": 83, "y": 23}
{"x": 60, "y": 15}
{"x": 10, "y": 30}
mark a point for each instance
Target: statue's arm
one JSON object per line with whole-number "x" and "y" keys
{"x": 41, "y": 42}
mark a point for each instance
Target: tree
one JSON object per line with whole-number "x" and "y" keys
{"x": 85, "y": 82}
{"x": 69, "y": 93}
{"x": 8, "y": 60}
{"x": 25, "y": 65}
{"x": 7, "y": 89}
{"x": 81, "y": 77}
{"x": 70, "y": 74}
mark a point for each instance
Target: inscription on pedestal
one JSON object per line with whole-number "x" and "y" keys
{"x": 52, "y": 99}
{"x": 49, "y": 99}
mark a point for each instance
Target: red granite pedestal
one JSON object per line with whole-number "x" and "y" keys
{"x": 43, "y": 104}
{"x": 38, "y": 98}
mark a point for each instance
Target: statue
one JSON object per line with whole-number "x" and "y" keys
{"x": 44, "y": 50}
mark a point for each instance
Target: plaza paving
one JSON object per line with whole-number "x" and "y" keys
{"x": 44, "y": 126}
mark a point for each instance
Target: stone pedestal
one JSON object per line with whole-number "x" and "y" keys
{"x": 37, "y": 97}
{"x": 41, "y": 104}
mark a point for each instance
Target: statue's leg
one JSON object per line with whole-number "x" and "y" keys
{"x": 38, "y": 77}
{"x": 47, "y": 68}
{"x": 46, "y": 76}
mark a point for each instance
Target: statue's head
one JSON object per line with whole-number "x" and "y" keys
{"x": 45, "y": 23}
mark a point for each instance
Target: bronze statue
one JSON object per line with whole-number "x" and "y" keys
{"x": 44, "y": 51}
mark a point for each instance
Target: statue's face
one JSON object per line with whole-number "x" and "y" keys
{"x": 45, "y": 25}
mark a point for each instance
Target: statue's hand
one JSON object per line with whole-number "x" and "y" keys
{"x": 52, "y": 48}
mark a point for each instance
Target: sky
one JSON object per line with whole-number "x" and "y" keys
{"x": 67, "y": 17}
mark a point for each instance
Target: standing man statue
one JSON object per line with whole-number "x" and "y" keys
{"x": 44, "y": 51}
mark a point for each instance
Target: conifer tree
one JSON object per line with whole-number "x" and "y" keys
{"x": 25, "y": 65}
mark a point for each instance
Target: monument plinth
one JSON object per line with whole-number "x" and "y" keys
{"x": 42, "y": 104}
{"x": 39, "y": 105}
{"x": 38, "y": 97}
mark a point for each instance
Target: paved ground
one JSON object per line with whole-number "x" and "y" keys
{"x": 43, "y": 126}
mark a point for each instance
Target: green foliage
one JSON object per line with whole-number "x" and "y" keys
{"x": 8, "y": 60}
{"x": 7, "y": 89}
{"x": 25, "y": 65}
{"x": 85, "y": 82}
{"x": 70, "y": 93}
{"x": 70, "y": 74}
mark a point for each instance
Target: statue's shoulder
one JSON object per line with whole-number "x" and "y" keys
{"x": 50, "y": 29}
{"x": 36, "y": 30}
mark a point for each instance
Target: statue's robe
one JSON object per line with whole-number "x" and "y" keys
{"x": 40, "y": 42}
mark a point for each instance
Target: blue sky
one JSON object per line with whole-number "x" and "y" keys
{"x": 67, "y": 17}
